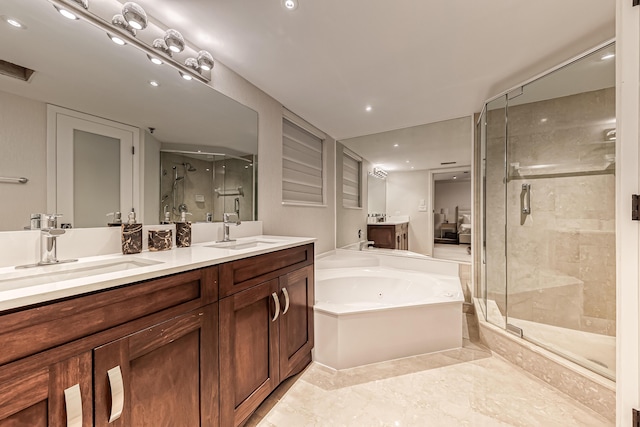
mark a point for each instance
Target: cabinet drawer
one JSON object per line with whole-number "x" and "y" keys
{"x": 242, "y": 274}
{"x": 35, "y": 329}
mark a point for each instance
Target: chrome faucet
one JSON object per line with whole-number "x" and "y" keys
{"x": 49, "y": 233}
{"x": 365, "y": 244}
{"x": 226, "y": 221}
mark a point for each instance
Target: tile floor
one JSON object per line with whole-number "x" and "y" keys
{"x": 462, "y": 387}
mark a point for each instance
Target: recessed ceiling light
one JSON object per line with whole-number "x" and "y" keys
{"x": 66, "y": 13}
{"x": 411, "y": 167}
{"x": 154, "y": 83}
{"x": 368, "y": 108}
{"x": 13, "y": 22}
{"x": 455, "y": 177}
{"x": 395, "y": 145}
{"x": 186, "y": 76}
{"x": 408, "y": 161}
{"x": 544, "y": 120}
{"x": 607, "y": 56}
{"x": 290, "y": 4}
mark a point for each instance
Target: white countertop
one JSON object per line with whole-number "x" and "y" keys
{"x": 167, "y": 262}
{"x": 388, "y": 223}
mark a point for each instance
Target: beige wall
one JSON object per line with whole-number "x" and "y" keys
{"x": 318, "y": 222}
{"x": 23, "y": 143}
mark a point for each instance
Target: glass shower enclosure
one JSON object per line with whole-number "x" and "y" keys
{"x": 548, "y": 210}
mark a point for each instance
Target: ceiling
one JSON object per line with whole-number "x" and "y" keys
{"x": 412, "y": 61}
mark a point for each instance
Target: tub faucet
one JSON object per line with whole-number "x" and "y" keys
{"x": 226, "y": 221}
{"x": 365, "y": 244}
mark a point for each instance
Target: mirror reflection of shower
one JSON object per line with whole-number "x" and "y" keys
{"x": 205, "y": 185}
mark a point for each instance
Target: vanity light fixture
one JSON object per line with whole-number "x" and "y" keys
{"x": 160, "y": 45}
{"x": 192, "y": 63}
{"x": 379, "y": 172}
{"x": 135, "y": 15}
{"x": 64, "y": 12}
{"x": 205, "y": 60}
{"x": 155, "y": 60}
{"x": 120, "y": 22}
{"x": 290, "y": 4}
{"x": 174, "y": 40}
{"x": 117, "y": 40}
{"x": 67, "y": 13}
{"x": 122, "y": 30}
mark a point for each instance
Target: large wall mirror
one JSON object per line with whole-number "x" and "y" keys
{"x": 404, "y": 168}
{"x": 77, "y": 67}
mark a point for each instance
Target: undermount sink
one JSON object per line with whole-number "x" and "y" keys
{"x": 60, "y": 272}
{"x": 245, "y": 244}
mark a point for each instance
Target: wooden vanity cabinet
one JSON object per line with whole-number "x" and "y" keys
{"x": 266, "y": 329}
{"x": 165, "y": 351}
{"x": 389, "y": 236}
{"x": 168, "y": 373}
{"x": 39, "y": 397}
{"x": 296, "y": 322}
{"x": 55, "y": 355}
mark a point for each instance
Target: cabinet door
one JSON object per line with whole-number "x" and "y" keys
{"x": 383, "y": 236}
{"x": 296, "y": 321}
{"x": 165, "y": 375}
{"x": 57, "y": 395}
{"x": 248, "y": 350}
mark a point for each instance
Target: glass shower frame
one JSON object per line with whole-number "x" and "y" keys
{"x": 502, "y": 241}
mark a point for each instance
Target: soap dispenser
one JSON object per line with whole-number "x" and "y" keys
{"x": 183, "y": 231}
{"x": 167, "y": 215}
{"x": 116, "y": 220}
{"x": 131, "y": 236}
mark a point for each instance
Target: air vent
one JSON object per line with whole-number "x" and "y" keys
{"x": 15, "y": 71}
{"x": 448, "y": 163}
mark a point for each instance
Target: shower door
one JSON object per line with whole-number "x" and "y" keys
{"x": 560, "y": 219}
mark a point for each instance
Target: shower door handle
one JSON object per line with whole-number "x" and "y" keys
{"x": 526, "y": 199}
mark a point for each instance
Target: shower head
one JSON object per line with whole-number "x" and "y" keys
{"x": 189, "y": 167}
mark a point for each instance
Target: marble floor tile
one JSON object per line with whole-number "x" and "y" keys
{"x": 462, "y": 387}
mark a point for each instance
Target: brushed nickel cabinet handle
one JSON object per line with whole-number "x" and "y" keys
{"x": 286, "y": 301}
{"x": 73, "y": 405}
{"x": 277, "y": 301}
{"x": 117, "y": 393}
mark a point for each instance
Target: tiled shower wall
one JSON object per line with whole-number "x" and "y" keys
{"x": 208, "y": 176}
{"x": 561, "y": 258}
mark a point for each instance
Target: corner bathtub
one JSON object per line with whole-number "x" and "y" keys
{"x": 374, "y": 307}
